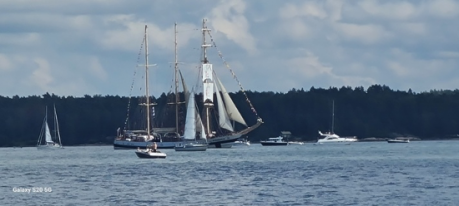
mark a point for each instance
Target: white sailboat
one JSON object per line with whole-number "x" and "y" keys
{"x": 220, "y": 132}
{"x": 331, "y": 137}
{"x": 192, "y": 123}
{"x": 45, "y": 133}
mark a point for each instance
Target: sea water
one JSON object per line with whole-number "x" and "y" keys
{"x": 362, "y": 173}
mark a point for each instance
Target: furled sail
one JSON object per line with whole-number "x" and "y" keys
{"x": 208, "y": 83}
{"x": 231, "y": 109}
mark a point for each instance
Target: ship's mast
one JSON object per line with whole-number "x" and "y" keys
{"x": 147, "y": 104}
{"x": 147, "y": 96}
{"x": 176, "y": 83}
{"x": 208, "y": 104}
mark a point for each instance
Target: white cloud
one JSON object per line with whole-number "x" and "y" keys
{"x": 368, "y": 34}
{"x": 310, "y": 68}
{"x": 5, "y": 63}
{"x": 443, "y": 8}
{"x": 41, "y": 76}
{"x": 448, "y": 54}
{"x": 307, "y": 9}
{"x": 97, "y": 69}
{"x": 87, "y": 44}
{"x": 228, "y": 18}
{"x": 399, "y": 10}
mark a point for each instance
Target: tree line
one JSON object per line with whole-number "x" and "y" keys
{"x": 377, "y": 111}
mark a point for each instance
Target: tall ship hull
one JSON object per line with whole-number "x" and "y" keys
{"x": 124, "y": 144}
{"x": 223, "y": 141}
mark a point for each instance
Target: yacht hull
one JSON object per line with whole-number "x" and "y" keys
{"x": 274, "y": 143}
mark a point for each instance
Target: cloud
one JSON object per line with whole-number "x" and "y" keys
{"x": 97, "y": 69}
{"x": 78, "y": 47}
{"x": 400, "y": 10}
{"x": 309, "y": 67}
{"x": 228, "y": 18}
{"x": 443, "y": 8}
{"x": 367, "y": 34}
{"x": 41, "y": 76}
{"x": 5, "y": 63}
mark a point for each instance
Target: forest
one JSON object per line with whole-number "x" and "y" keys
{"x": 377, "y": 111}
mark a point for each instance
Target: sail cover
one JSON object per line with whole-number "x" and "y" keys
{"x": 208, "y": 82}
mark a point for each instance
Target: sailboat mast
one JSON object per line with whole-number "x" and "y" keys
{"x": 56, "y": 126}
{"x": 146, "y": 83}
{"x": 333, "y": 117}
{"x": 176, "y": 83}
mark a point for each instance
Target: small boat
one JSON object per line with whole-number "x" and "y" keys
{"x": 45, "y": 134}
{"x": 274, "y": 141}
{"x": 297, "y": 143}
{"x": 241, "y": 142}
{"x": 190, "y": 146}
{"x": 398, "y": 141}
{"x": 150, "y": 153}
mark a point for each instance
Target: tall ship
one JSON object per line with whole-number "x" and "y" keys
{"x": 219, "y": 113}
{"x": 220, "y": 132}
{"x": 143, "y": 138}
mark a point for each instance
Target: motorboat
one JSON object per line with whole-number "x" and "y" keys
{"x": 274, "y": 141}
{"x": 330, "y": 137}
{"x": 241, "y": 142}
{"x": 150, "y": 153}
{"x": 398, "y": 141}
{"x": 296, "y": 143}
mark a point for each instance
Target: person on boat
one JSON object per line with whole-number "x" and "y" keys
{"x": 154, "y": 147}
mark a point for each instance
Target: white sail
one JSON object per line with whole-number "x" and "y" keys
{"x": 208, "y": 82}
{"x": 47, "y": 133}
{"x": 190, "y": 121}
{"x": 223, "y": 119}
{"x": 233, "y": 112}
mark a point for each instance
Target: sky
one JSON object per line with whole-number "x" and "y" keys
{"x": 93, "y": 47}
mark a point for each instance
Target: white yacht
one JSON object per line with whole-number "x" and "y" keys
{"x": 330, "y": 137}
{"x": 274, "y": 141}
